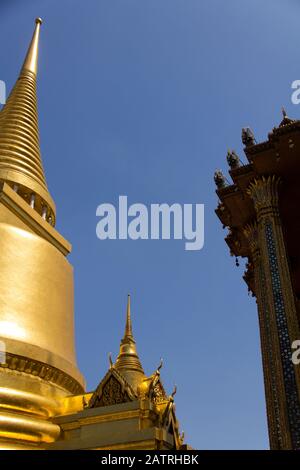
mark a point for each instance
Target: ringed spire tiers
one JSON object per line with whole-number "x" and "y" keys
{"x": 20, "y": 156}
{"x": 128, "y": 362}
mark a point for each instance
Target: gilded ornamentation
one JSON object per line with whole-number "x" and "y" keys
{"x": 43, "y": 371}
{"x": 250, "y": 232}
{"x": 112, "y": 394}
{"x": 42, "y": 401}
{"x": 128, "y": 362}
{"x": 113, "y": 389}
{"x": 158, "y": 394}
{"x": 264, "y": 193}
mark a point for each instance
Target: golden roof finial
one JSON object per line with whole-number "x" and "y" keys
{"x": 31, "y": 60}
{"x": 20, "y": 157}
{"x": 128, "y": 327}
{"x": 286, "y": 120}
{"x": 128, "y": 362}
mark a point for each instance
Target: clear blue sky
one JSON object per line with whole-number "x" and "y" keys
{"x": 143, "y": 98}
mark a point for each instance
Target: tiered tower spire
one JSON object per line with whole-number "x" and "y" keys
{"x": 20, "y": 157}
{"x": 36, "y": 279}
{"x": 128, "y": 362}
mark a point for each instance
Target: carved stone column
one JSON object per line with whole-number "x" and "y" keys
{"x": 278, "y": 317}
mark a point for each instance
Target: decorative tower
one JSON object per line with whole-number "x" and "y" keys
{"x": 38, "y": 366}
{"x": 127, "y": 411}
{"x": 128, "y": 363}
{"x": 43, "y": 404}
{"x": 261, "y": 211}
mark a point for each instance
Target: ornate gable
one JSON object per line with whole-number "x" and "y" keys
{"x": 158, "y": 393}
{"x": 112, "y": 390}
{"x": 153, "y": 389}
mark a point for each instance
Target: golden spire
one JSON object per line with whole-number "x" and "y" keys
{"x": 128, "y": 362}
{"x": 128, "y": 327}
{"x": 20, "y": 158}
{"x": 31, "y": 60}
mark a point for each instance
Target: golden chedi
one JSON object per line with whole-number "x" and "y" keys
{"x": 36, "y": 279}
{"x": 43, "y": 404}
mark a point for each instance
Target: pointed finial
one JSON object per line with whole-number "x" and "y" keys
{"x": 160, "y": 365}
{"x": 174, "y": 391}
{"x": 286, "y": 120}
{"x": 128, "y": 327}
{"x": 111, "y": 364}
{"x": 31, "y": 60}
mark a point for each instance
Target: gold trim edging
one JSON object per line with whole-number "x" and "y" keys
{"x": 43, "y": 371}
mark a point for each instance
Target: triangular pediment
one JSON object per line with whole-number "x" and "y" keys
{"x": 112, "y": 390}
{"x": 153, "y": 388}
